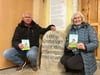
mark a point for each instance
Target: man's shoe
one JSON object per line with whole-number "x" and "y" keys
{"x": 21, "y": 67}
{"x": 34, "y": 68}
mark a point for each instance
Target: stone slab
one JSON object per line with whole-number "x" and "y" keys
{"x": 52, "y": 50}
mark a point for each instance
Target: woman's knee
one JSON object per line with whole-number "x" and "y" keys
{"x": 62, "y": 60}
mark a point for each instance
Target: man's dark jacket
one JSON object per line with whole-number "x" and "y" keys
{"x": 32, "y": 33}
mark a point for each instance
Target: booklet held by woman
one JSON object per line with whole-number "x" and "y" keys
{"x": 26, "y": 44}
{"x": 73, "y": 39}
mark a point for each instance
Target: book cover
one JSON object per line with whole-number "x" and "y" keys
{"x": 73, "y": 39}
{"x": 26, "y": 44}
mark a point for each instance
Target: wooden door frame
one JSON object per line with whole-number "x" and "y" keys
{"x": 98, "y": 28}
{"x": 97, "y": 25}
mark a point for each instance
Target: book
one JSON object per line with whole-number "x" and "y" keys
{"x": 73, "y": 40}
{"x": 26, "y": 44}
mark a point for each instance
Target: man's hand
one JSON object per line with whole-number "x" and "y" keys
{"x": 20, "y": 45}
{"x": 53, "y": 28}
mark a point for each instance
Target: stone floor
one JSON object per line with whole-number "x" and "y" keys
{"x": 28, "y": 71}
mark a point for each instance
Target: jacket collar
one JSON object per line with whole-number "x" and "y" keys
{"x": 22, "y": 24}
{"x": 82, "y": 25}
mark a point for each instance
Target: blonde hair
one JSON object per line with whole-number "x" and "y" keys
{"x": 82, "y": 16}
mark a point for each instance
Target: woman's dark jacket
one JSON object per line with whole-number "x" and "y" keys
{"x": 32, "y": 33}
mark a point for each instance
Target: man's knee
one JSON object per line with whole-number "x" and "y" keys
{"x": 9, "y": 53}
{"x": 31, "y": 55}
{"x": 6, "y": 54}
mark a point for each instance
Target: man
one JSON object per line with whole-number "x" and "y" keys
{"x": 30, "y": 31}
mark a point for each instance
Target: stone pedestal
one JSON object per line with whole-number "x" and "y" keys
{"x": 52, "y": 50}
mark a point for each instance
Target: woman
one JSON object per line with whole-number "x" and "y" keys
{"x": 87, "y": 43}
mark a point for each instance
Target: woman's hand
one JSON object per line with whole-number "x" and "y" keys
{"x": 81, "y": 46}
{"x": 69, "y": 48}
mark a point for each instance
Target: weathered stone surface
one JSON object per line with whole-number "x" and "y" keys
{"x": 52, "y": 50}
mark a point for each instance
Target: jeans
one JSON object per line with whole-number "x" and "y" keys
{"x": 15, "y": 55}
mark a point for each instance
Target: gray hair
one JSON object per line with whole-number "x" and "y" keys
{"x": 82, "y": 16}
{"x": 23, "y": 15}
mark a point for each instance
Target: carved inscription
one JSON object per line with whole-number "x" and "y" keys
{"x": 52, "y": 50}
